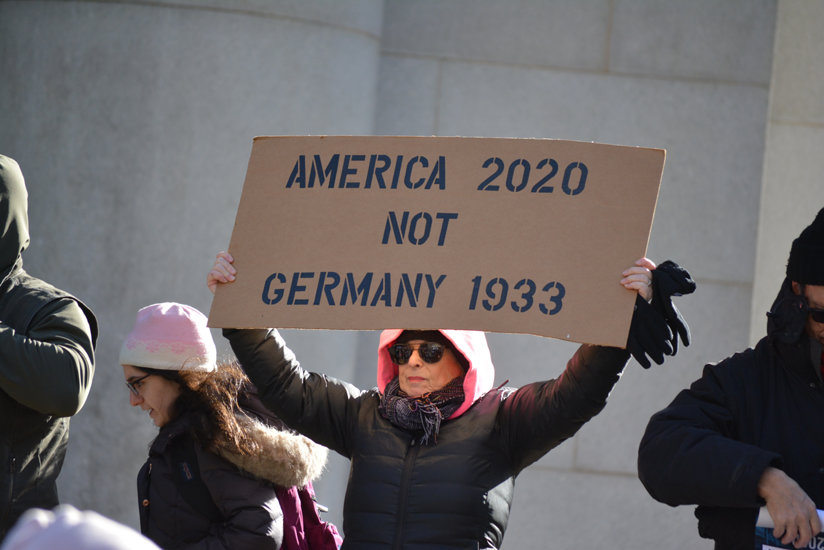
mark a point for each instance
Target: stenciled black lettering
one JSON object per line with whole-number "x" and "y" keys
{"x": 438, "y": 175}
{"x": 384, "y": 292}
{"x": 318, "y": 171}
{"x": 344, "y": 173}
{"x": 433, "y": 285}
{"x": 298, "y": 174}
{"x": 397, "y": 229}
{"x": 405, "y": 288}
{"x": 273, "y": 296}
{"x": 445, "y": 217}
{"x": 296, "y": 288}
{"x": 420, "y": 227}
{"x": 397, "y": 173}
{"x": 348, "y": 171}
{"x": 411, "y": 166}
{"x": 413, "y": 225}
{"x": 325, "y": 288}
{"x": 350, "y": 289}
{"x": 332, "y": 288}
{"x": 377, "y": 171}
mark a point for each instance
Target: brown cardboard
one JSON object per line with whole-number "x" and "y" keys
{"x": 460, "y": 245}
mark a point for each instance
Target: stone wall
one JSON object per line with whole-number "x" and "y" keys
{"x": 133, "y": 124}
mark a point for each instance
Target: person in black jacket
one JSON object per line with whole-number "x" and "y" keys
{"x": 750, "y": 431}
{"x": 47, "y": 340}
{"x": 435, "y": 448}
{"x": 210, "y": 479}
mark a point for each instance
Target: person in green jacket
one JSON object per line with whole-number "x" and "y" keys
{"x": 47, "y": 340}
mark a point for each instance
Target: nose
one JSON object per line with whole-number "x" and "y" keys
{"x": 415, "y": 358}
{"x": 134, "y": 400}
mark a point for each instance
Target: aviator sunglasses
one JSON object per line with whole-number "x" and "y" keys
{"x": 430, "y": 352}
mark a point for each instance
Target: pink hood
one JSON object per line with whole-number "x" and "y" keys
{"x": 472, "y": 344}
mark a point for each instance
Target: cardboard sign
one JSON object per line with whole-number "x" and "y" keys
{"x": 502, "y": 235}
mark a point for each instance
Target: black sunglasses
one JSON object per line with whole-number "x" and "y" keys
{"x": 430, "y": 352}
{"x": 816, "y": 314}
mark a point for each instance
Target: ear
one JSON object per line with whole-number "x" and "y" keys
{"x": 796, "y": 288}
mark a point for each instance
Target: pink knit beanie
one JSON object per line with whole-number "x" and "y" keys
{"x": 170, "y": 336}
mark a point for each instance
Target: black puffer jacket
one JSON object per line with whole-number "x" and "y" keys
{"x": 235, "y": 505}
{"x": 758, "y": 408}
{"x": 455, "y": 494}
{"x": 47, "y": 340}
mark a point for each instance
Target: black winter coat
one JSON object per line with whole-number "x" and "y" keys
{"x": 233, "y": 504}
{"x": 455, "y": 494}
{"x": 758, "y": 408}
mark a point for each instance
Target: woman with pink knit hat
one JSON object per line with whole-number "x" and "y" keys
{"x": 214, "y": 469}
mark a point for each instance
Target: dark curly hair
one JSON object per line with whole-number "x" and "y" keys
{"x": 210, "y": 399}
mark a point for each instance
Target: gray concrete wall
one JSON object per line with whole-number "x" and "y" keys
{"x": 691, "y": 77}
{"x": 793, "y": 187}
{"x": 133, "y": 124}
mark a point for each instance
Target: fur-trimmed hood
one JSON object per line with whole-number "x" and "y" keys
{"x": 286, "y": 458}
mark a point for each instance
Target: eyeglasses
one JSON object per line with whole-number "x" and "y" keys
{"x": 816, "y": 314}
{"x": 430, "y": 352}
{"x": 133, "y": 385}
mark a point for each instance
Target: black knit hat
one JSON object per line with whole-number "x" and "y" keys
{"x": 428, "y": 335}
{"x": 806, "y": 263}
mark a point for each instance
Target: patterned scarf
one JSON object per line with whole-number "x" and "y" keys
{"x": 422, "y": 415}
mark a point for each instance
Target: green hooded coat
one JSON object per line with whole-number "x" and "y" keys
{"x": 47, "y": 340}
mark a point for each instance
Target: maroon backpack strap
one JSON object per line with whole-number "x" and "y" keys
{"x": 319, "y": 534}
{"x": 294, "y": 535}
{"x": 303, "y": 528}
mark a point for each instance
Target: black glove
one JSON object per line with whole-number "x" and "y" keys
{"x": 670, "y": 279}
{"x": 649, "y": 334}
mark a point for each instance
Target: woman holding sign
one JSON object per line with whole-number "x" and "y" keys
{"x": 435, "y": 449}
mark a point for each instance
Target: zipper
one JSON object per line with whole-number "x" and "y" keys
{"x": 411, "y": 455}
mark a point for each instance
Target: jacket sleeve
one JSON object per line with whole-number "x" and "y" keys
{"x": 688, "y": 454}
{"x": 540, "y": 416}
{"x": 254, "y": 517}
{"x": 49, "y": 370}
{"x": 320, "y": 407}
